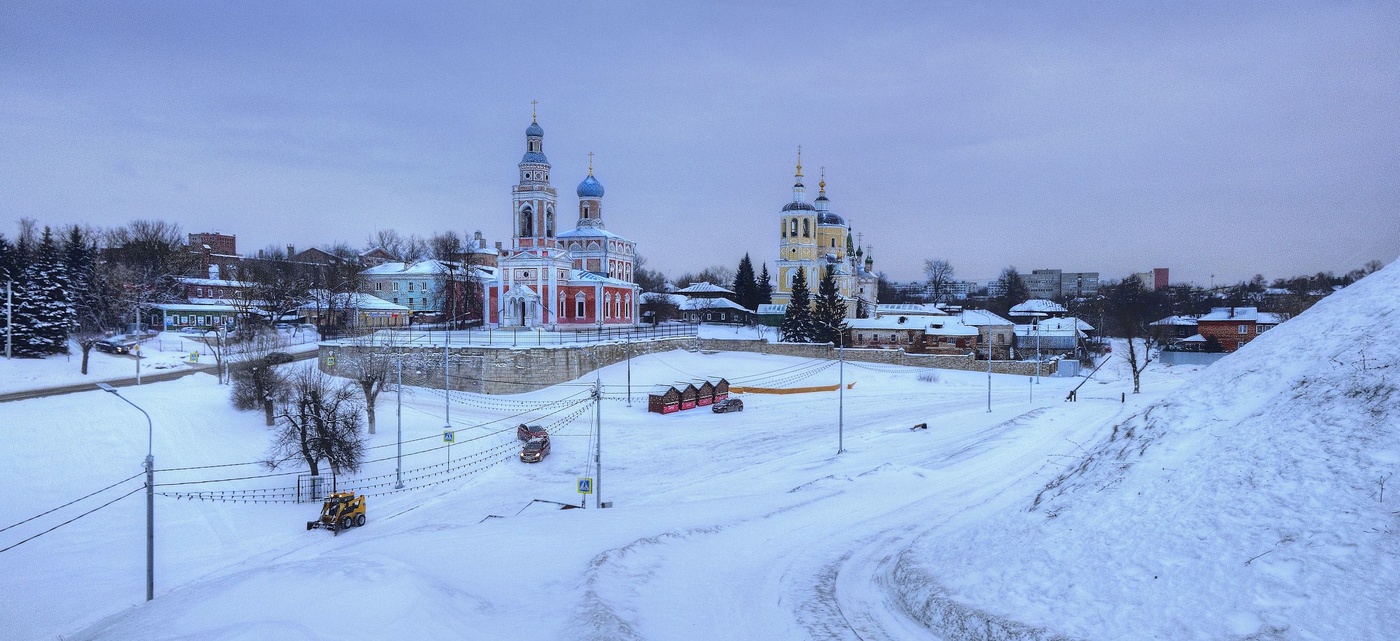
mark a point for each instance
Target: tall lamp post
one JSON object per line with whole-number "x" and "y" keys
{"x": 840, "y": 387}
{"x": 150, "y": 495}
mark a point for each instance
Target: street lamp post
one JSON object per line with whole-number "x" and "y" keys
{"x": 841, "y": 393}
{"x": 398, "y": 456}
{"x": 150, "y": 495}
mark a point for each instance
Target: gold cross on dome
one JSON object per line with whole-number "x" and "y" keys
{"x": 590, "y": 163}
{"x": 533, "y": 114}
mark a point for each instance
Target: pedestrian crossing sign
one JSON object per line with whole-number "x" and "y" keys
{"x": 585, "y": 486}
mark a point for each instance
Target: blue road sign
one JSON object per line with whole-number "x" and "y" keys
{"x": 585, "y": 486}
{"x": 448, "y": 436}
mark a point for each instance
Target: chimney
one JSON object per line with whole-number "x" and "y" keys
{"x": 291, "y": 250}
{"x": 1232, "y": 311}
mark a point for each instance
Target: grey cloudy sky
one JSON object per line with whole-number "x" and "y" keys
{"x": 1209, "y": 138}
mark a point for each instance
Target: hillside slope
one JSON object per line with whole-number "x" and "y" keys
{"x": 1256, "y": 503}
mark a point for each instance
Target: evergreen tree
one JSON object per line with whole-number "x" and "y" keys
{"x": 43, "y": 314}
{"x": 8, "y": 275}
{"x": 91, "y": 291}
{"x": 797, "y": 322}
{"x": 1014, "y": 291}
{"x": 764, "y": 287}
{"x": 829, "y": 317}
{"x": 745, "y": 288}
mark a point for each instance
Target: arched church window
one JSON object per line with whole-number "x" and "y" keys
{"x": 580, "y": 306}
{"x": 794, "y": 228}
{"x": 806, "y": 228}
{"x": 549, "y": 223}
{"x": 527, "y": 221}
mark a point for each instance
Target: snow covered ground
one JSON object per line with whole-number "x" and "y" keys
{"x": 750, "y": 525}
{"x": 163, "y": 352}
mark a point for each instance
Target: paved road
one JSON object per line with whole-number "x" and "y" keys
{"x": 207, "y": 368}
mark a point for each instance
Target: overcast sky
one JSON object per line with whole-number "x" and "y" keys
{"x": 1213, "y": 138}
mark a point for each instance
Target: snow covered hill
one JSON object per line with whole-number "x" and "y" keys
{"x": 1252, "y": 504}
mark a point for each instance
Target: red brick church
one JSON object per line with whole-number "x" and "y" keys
{"x": 579, "y": 278}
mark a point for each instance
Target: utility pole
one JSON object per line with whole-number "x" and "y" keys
{"x": 989, "y": 367}
{"x": 629, "y": 368}
{"x": 398, "y": 456}
{"x": 598, "y": 418}
{"x": 150, "y": 466}
{"x": 9, "y": 317}
{"x": 841, "y": 395}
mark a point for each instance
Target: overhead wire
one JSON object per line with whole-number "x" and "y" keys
{"x": 73, "y": 501}
{"x": 22, "y": 542}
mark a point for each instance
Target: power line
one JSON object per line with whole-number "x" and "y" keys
{"x": 72, "y": 501}
{"x": 138, "y": 489}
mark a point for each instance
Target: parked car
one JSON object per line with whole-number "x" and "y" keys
{"x": 727, "y": 405}
{"x": 277, "y": 358}
{"x": 529, "y": 432}
{"x": 535, "y": 450}
{"x": 116, "y": 345}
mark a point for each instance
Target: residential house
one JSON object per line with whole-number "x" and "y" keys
{"x": 716, "y": 310}
{"x": 419, "y": 286}
{"x": 337, "y": 313}
{"x": 1235, "y": 326}
{"x": 993, "y": 330}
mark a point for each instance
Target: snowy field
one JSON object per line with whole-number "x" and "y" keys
{"x": 1040, "y": 519}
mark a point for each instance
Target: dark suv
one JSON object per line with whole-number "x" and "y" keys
{"x": 728, "y": 405}
{"x": 535, "y": 450}
{"x": 527, "y": 432}
{"x": 115, "y": 345}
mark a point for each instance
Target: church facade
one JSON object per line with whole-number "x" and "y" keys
{"x": 578, "y": 278}
{"x": 812, "y": 239}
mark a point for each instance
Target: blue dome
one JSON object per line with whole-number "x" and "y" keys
{"x": 534, "y": 157}
{"x": 590, "y": 188}
{"x": 830, "y": 218}
{"x": 796, "y": 206}
{"x": 534, "y": 130}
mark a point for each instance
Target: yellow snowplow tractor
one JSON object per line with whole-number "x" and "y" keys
{"x": 340, "y": 511}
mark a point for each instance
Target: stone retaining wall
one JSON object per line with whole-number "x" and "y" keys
{"x": 513, "y": 370}
{"x": 507, "y": 370}
{"x": 887, "y": 356}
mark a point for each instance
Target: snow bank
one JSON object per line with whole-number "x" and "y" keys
{"x": 1250, "y": 504}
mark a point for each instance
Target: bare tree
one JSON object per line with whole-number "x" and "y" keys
{"x": 939, "y": 274}
{"x": 371, "y": 365}
{"x": 276, "y": 285}
{"x": 320, "y": 421}
{"x": 147, "y": 259}
{"x": 715, "y": 275}
{"x": 405, "y": 248}
{"x": 257, "y": 381}
{"x": 1133, "y": 312}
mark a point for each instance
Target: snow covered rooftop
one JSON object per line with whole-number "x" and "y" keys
{"x": 357, "y": 301}
{"x": 703, "y": 288}
{"x": 1170, "y": 321}
{"x": 1038, "y": 306}
{"x": 1242, "y": 314}
{"x": 430, "y": 267}
{"x": 908, "y": 309}
{"x": 981, "y": 317}
{"x": 692, "y": 304}
{"x": 1069, "y": 324}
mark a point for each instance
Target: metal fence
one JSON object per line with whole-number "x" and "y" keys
{"x": 314, "y": 487}
{"x": 526, "y": 337}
